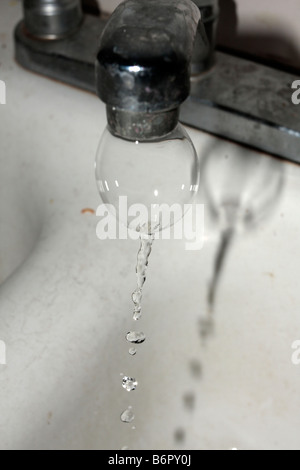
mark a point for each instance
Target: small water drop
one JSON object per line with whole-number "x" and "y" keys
{"x": 125, "y": 448}
{"x": 137, "y": 296}
{"x": 146, "y": 241}
{"x": 127, "y": 416}
{"x": 133, "y": 428}
{"x": 129, "y": 383}
{"x": 132, "y": 351}
{"x": 136, "y": 337}
{"x": 137, "y": 315}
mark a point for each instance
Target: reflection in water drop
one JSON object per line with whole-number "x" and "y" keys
{"x": 136, "y": 337}
{"x": 129, "y": 383}
{"x": 127, "y": 416}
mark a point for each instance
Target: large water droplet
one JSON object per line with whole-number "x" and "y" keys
{"x": 136, "y": 337}
{"x": 127, "y": 416}
{"x": 129, "y": 383}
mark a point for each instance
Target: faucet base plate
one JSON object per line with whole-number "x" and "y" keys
{"x": 70, "y": 60}
{"x": 238, "y": 99}
{"x": 246, "y": 102}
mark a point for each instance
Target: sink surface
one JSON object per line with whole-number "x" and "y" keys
{"x": 212, "y": 375}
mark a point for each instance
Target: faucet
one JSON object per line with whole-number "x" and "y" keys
{"x": 236, "y": 98}
{"x": 143, "y": 65}
{"x": 143, "y": 76}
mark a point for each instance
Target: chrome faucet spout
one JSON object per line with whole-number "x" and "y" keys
{"x": 143, "y": 65}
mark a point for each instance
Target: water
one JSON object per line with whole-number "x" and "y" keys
{"x": 127, "y": 416}
{"x": 132, "y": 351}
{"x": 146, "y": 238}
{"x": 129, "y": 383}
{"x": 138, "y": 337}
{"x": 135, "y": 337}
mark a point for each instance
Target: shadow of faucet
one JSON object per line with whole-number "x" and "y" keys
{"x": 241, "y": 190}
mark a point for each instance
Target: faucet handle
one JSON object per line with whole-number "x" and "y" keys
{"x": 143, "y": 64}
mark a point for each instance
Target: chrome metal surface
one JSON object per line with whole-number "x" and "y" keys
{"x": 70, "y": 60}
{"x": 204, "y": 50}
{"x": 143, "y": 63}
{"x": 52, "y": 19}
{"x": 249, "y": 103}
{"x": 238, "y": 99}
{"x": 141, "y": 126}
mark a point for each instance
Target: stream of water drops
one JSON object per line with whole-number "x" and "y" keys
{"x": 146, "y": 242}
{"x": 138, "y": 337}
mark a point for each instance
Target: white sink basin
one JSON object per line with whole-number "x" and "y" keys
{"x": 65, "y": 305}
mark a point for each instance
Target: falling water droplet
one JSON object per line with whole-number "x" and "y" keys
{"x": 137, "y": 296}
{"x": 127, "y": 416}
{"x": 129, "y": 383}
{"x": 137, "y": 314}
{"x": 146, "y": 238}
{"x": 136, "y": 337}
{"x": 132, "y": 351}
